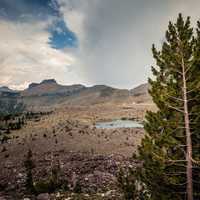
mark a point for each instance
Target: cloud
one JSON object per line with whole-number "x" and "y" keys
{"x": 114, "y": 40}
{"x": 26, "y": 55}
{"x": 116, "y": 36}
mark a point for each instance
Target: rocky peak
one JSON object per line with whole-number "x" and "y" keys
{"x": 46, "y": 81}
{"x": 32, "y": 85}
{"x": 49, "y": 81}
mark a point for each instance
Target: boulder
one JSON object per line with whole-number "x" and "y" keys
{"x": 43, "y": 196}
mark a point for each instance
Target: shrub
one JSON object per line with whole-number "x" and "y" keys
{"x": 77, "y": 187}
{"x": 52, "y": 184}
{"x": 42, "y": 186}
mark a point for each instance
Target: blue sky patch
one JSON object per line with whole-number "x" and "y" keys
{"x": 28, "y": 10}
{"x": 62, "y": 37}
{"x": 36, "y": 8}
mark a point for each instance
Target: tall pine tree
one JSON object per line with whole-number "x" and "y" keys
{"x": 170, "y": 150}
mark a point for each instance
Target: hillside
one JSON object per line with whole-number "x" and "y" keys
{"x": 140, "y": 94}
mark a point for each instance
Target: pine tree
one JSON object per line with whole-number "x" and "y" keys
{"x": 29, "y": 166}
{"x": 170, "y": 149}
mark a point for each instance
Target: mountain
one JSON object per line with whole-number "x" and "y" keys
{"x": 98, "y": 94}
{"x": 6, "y": 93}
{"x": 141, "y": 94}
{"x": 50, "y": 93}
{"x": 140, "y": 90}
{"x": 5, "y": 89}
{"x": 50, "y": 87}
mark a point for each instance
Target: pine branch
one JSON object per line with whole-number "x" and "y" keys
{"x": 195, "y": 161}
{"x": 176, "y": 98}
{"x": 188, "y": 69}
{"x": 175, "y": 108}
{"x": 168, "y": 160}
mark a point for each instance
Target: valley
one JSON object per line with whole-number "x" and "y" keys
{"x": 68, "y": 138}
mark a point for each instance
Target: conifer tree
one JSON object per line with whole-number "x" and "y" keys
{"x": 29, "y": 166}
{"x": 170, "y": 150}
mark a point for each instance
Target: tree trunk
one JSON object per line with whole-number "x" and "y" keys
{"x": 188, "y": 137}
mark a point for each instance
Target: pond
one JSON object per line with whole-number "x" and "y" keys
{"x": 119, "y": 124}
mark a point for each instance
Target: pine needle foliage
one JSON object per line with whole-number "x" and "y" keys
{"x": 170, "y": 151}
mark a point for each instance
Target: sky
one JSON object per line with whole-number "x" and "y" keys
{"x": 84, "y": 41}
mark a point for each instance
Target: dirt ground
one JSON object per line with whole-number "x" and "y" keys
{"x": 71, "y": 131}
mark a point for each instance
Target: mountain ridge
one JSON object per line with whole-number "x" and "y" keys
{"x": 53, "y": 81}
{"x": 48, "y": 93}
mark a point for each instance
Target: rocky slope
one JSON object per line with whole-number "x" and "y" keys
{"x": 84, "y": 154}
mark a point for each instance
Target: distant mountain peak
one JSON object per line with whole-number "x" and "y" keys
{"x": 32, "y": 85}
{"x": 5, "y": 89}
{"x": 46, "y": 81}
{"x": 49, "y": 81}
{"x": 48, "y": 92}
{"x": 140, "y": 90}
{"x": 50, "y": 87}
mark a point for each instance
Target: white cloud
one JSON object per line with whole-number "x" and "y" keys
{"x": 116, "y": 36}
{"x": 26, "y": 56}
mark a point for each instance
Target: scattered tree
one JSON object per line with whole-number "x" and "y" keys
{"x": 29, "y": 166}
{"x": 11, "y": 106}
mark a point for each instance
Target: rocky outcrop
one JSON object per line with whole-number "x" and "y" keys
{"x": 43, "y": 196}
